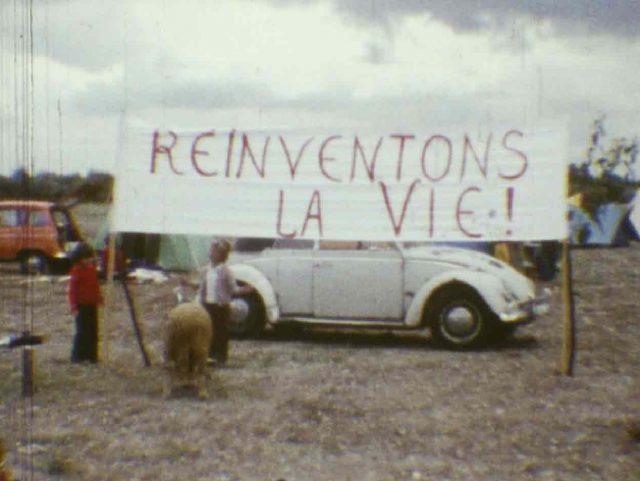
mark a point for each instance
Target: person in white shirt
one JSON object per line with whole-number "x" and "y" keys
{"x": 216, "y": 289}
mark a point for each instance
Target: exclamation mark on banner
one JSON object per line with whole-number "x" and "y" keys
{"x": 509, "y": 208}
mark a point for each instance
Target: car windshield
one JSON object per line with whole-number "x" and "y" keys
{"x": 252, "y": 244}
{"x": 307, "y": 244}
{"x": 293, "y": 244}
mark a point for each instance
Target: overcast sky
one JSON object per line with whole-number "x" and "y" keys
{"x": 235, "y": 63}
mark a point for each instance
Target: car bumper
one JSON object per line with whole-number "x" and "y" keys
{"x": 520, "y": 313}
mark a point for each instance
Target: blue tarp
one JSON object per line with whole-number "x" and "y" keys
{"x": 634, "y": 216}
{"x": 579, "y": 222}
{"x": 608, "y": 227}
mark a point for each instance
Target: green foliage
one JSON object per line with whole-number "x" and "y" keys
{"x": 607, "y": 174}
{"x": 95, "y": 187}
{"x": 598, "y": 191}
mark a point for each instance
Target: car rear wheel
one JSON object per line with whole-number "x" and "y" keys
{"x": 34, "y": 263}
{"x": 247, "y": 316}
{"x": 458, "y": 318}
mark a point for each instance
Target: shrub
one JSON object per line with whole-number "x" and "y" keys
{"x": 607, "y": 174}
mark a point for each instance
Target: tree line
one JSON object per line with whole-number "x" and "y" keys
{"x": 93, "y": 187}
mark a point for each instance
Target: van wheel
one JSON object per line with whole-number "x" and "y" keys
{"x": 34, "y": 263}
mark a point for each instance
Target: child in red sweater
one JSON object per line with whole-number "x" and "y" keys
{"x": 84, "y": 298}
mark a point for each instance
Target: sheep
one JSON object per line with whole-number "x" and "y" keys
{"x": 187, "y": 343}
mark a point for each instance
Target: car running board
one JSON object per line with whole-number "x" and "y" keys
{"x": 380, "y": 324}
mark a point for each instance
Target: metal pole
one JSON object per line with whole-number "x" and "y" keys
{"x": 27, "y": 372}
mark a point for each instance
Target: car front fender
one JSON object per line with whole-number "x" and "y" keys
{"x": 250, "y": 275}
{"x": 488, "y": 286}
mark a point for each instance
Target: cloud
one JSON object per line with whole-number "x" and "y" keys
{"x": 88, "y": 35}
{"x": 330, "y": 64}
{"x": 102, "y": 97}
{"x": 615, "y": 17}
{"x": 377, "y": 52}
{"x": 95, "y": 35}
{"x": 398, "y": 62}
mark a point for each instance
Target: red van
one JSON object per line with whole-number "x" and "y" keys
{"x": 40, "y": 235}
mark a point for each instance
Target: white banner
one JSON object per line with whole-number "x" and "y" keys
{"x": 431, "y": 185}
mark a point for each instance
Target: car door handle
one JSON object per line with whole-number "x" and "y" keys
{"x": 322, "y": 264}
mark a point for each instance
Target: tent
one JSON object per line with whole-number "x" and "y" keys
{"x": 182, "y": 252}
{"x": 634, "y": 216}
{"x": 172, "y": 252}
{"x": 579, "y": 222}
{"x": 607, "y": 227}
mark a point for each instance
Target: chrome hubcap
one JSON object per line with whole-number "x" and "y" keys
{"x": 239, "y": 311}
{"x": 460, "y": 322}
{"x": 34, "y": 264}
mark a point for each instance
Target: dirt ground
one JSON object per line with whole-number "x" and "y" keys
{"x": 332, "y": 405}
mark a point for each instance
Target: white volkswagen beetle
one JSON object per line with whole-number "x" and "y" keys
{"x": 464, "y": 297}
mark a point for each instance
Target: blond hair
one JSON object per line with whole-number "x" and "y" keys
{"x": 223, "y": 245}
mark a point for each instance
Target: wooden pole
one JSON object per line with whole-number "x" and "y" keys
{"x": 134, "y": 319}
{"x": 111, "y": 249}
{"x": 569, "y": 326}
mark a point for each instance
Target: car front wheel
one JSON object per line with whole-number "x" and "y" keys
{"x": 458, "y": 318}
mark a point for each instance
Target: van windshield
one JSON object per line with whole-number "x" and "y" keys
{"x": 67, "y": 230}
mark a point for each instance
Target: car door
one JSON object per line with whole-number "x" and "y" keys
{"x": 293, "y": 284}
{"x": 357, "y": 284}
{"x": 10, "y": 231}
{"x": 40, "y": 232}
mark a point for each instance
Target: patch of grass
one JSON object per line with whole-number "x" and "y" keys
{"x": 632, "y": 430}
{"x": 60, "y": 381}
{"x": 266, "y": 359}
{"x": 245, "y": 388}
{"x": 319, "y": 355}
{"x": 62, "y": 437}
{"x": 11, "y": 382}
{"x": 61, "y": 464}
{"x": 67, "y": 377}
{"x": 177, "y": 449}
